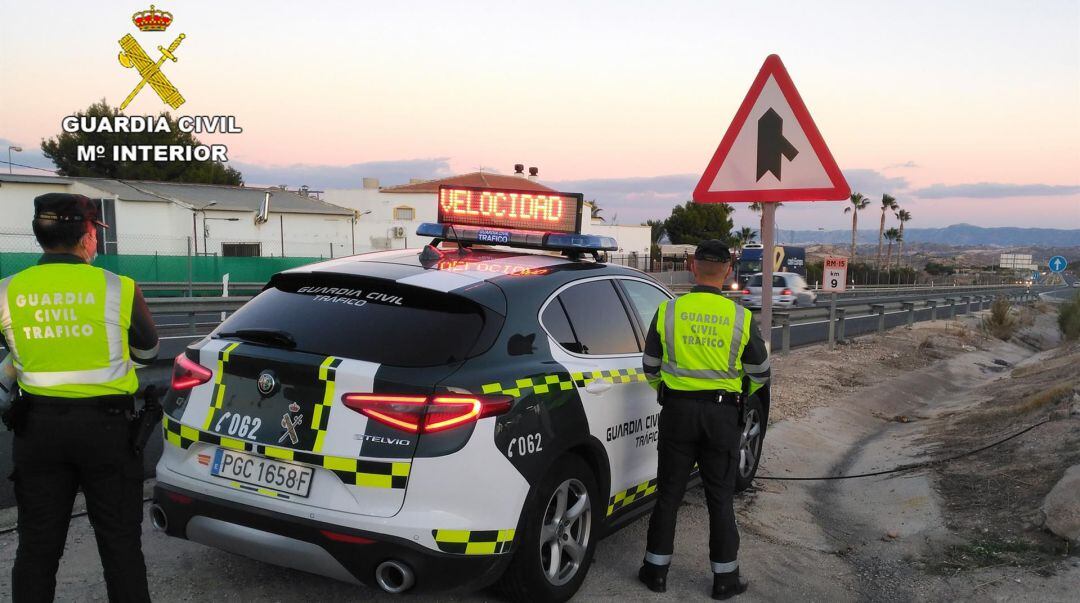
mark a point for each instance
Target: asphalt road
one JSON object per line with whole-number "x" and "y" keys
{"x": 1065, "y": 293}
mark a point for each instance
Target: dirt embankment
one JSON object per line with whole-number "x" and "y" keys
{"x": 968, "y": 529}
{"x": 992, "y": 500}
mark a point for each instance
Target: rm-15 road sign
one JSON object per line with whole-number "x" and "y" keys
{"x": 835, "y": 274}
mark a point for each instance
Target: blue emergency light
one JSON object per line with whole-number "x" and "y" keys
{"x": 551, "y": 241}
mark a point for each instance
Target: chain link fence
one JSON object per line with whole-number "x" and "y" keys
{"x": 150, "y": 258}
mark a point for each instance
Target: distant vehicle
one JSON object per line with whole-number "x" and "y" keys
{"x": 789, "y": 290}
{"x": 787, "y": 259}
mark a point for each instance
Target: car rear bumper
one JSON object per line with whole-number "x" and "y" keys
{"x": 782, "y": 301}
{"x": 349, "y": 555}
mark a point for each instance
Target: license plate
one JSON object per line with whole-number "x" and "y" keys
{"x": 262, "y": 472}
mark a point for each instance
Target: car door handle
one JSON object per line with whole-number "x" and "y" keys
{"x": 598, "y": 386}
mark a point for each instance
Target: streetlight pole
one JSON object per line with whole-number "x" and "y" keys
{"x": 356, "y": 216}
{"x": 206, "y": 231}
{"x": 11, "y": 148}
{"x": 195, "y": 227}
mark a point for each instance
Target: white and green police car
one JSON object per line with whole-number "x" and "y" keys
{"x": 444, "y": 418}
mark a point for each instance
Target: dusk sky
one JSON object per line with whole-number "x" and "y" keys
{"x": 964, "y": 111}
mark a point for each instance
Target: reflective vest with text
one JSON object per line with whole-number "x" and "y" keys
{"x": 703, "y": 337}
{"x": 67, "y": 325}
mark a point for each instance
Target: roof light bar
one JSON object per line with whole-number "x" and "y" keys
{"x": 551, "y": 241}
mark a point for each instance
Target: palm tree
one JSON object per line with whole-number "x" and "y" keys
{"x": 743, "y": 236}
{"x": 888, "y": 202}
{"x": 903, "y": 215}
{"x": 595, "y": 210}
{"x": 893, "y": 234}
{"x": 756, "y": 208}
{"x": 858, "y": 203}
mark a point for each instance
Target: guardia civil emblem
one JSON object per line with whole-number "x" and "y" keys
{"x": 133, "y": 55}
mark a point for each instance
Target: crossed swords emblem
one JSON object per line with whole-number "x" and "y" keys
{"x": 133, "y": 55}
{"x": 290, "y": 423}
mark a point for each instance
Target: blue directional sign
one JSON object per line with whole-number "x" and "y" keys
{"x": 1057, "y": 263}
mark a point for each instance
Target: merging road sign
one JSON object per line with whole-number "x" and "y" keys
{"x": 772, "y": 150}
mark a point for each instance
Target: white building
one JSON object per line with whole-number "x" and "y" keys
{"x": 388, "y": 217}
{"x": 147, "y": 218}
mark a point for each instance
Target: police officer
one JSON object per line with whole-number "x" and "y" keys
{"x": 73, "y": 331}
{"x": 697, "y": 351}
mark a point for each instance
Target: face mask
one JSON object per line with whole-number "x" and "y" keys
{"x": 90, "y": 249}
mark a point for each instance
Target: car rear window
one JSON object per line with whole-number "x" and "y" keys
{"x": 755, "y": 281}
{"x": 371, "y": 320}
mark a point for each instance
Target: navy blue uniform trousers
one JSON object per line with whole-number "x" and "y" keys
{"x": 706, "y": 433}
{"x": 57, "y": 452}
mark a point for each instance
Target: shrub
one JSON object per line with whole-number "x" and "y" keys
{"x": 1000, "y": 323}
{"x": 1069, "y": 318}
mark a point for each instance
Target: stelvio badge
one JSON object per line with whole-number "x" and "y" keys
{"x": 133, "y": 55}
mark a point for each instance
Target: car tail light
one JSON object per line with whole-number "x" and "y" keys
{"x": 187, "y": 373}
{"x": 786, "y": 292}
{"x": 426, "y": 414}
{"x": 339, "y": 537}
{"x": 178, "y": 498}
{"x": 746, "y": 292}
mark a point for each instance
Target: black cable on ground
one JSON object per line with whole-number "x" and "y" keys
{"x": 910, "y": 466}
{"x": 899, "y": 469}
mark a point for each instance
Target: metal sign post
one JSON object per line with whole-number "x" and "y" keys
{"x": 768, "y": 222}
{"x": 832, "y": 321}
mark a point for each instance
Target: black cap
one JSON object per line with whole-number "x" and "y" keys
{"x": 712, "y": 250}
{"x": 66, "y": 207}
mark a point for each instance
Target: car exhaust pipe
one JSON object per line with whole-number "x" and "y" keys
{"x": 158, "y": 518}
{"x": 394, "y": 577}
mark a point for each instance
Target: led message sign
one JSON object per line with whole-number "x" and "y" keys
{"x": 514, "y": 209}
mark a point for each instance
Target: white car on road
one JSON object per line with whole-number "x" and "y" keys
{"x": 789, "y": 290}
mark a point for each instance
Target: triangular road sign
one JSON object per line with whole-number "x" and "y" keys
{"x": 772, "y": 150}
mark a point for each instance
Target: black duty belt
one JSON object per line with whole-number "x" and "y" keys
{"x": 715, "y": 396}
{"x": 112, "y": 405}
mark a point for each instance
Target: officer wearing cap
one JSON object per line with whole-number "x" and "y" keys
{"x": 73, "y": 331}
{"x": 697, "y": 352}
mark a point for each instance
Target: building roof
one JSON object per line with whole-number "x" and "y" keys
{"x": 34, "y": 179}
{"x": 475, "y": 179}
{"x": 225, "y": 198}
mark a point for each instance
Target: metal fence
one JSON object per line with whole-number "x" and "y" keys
{"x": 172, "y": 260}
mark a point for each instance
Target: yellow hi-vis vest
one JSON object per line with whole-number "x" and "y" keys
{"x": 67, "y": 325}
{"x": 703, "y": 335}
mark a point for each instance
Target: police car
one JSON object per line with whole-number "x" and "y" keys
{"x": 442, "y": 418}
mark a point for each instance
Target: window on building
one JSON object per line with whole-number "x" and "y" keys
{"x": 241, "y": 250}
{"x": 107, "y": 236}
{"x": 404, "y": 213}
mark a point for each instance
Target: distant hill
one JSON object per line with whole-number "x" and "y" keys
{"x": 956, "y": 235}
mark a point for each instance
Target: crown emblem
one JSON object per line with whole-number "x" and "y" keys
{"x": 152, "y": 20}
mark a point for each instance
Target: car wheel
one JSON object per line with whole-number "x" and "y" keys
{"x": 753, "y": 435}
{"x": 556, "y": 546}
